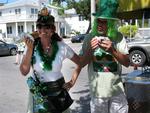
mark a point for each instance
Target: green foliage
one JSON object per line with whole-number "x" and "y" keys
{"x": 82, "y": 7}
{"x": 61, "y": 11}
{"x": 58, "y": 2}
{"x": 128, "y": 30}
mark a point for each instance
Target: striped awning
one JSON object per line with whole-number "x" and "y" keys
{"x": 134, "y": 9}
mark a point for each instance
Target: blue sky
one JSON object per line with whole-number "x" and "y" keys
{"x": 5, "y": 1}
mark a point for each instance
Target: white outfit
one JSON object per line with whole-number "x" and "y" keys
{"x": 115, "y": 104}
{"x": 46, "y": 76}
{"x": 64, "y": 52}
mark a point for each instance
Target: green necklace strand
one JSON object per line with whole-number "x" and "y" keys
{"x": 47, "y": 60}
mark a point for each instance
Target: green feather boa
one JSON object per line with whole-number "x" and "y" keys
{"x": 46, "y": 59}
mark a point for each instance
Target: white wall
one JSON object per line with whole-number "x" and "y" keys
{"x": 3, "y": 28}
{"x": 74, "y": 24}
{"x": 9, "y": 18}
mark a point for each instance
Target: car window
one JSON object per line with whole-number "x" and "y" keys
{"x": 146, "y": 39}
{"x": 2, "y": 43}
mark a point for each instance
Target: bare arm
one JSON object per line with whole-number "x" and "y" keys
{"x": 74, "y": 77}
{"x": 26, "y": 61}
{"x": 121, "y": 58}
{"x": 80, "y": 61}
{"x": 107, "y": 45}
{"x": 76, "y": 72}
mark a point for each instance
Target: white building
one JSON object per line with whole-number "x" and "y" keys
{"x": 21, "y": 16}
{"x": 75, "y": 22}
{"x": 17, "y": 17}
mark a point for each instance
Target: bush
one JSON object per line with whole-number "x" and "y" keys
{"x": 127, "y": 29}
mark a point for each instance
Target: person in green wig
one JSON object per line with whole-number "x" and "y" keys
{"x": 109, "y": 51}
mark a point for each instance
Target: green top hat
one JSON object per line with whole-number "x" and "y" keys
{"x": 107, "y": 9}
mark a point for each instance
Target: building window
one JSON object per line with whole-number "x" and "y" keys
{"x": 81, "y": 18}
{"x": 34, "y": 11}
{"x": 32, "y": 28}
{"x": 9, "y": 30}
{"x": 20, "y": 29}
{"x": 18, "y": 11}
{"x": 0, "y": 13}
{"x": 62, "y": 31}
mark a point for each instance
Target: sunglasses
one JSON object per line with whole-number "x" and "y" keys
{"x": 39, "y": 26}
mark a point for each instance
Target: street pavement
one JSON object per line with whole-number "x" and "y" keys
{"x": 14, "y": 90}
{"x": 80, "y": 91}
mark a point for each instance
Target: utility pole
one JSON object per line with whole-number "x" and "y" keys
{"x": 92, "y": 10}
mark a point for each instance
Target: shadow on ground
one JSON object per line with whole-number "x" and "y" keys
{"x": 83, "y": 102}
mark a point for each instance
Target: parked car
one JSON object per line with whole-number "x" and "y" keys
{"x": 78, "y": 38}
{"x": 139, "y": 51}
{"x": 7, "y": 49}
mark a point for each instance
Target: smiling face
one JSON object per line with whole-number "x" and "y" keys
{"x": 45, "y": 23}
{"x": 102, "y": 26}
{"x": 46, "y": 30}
